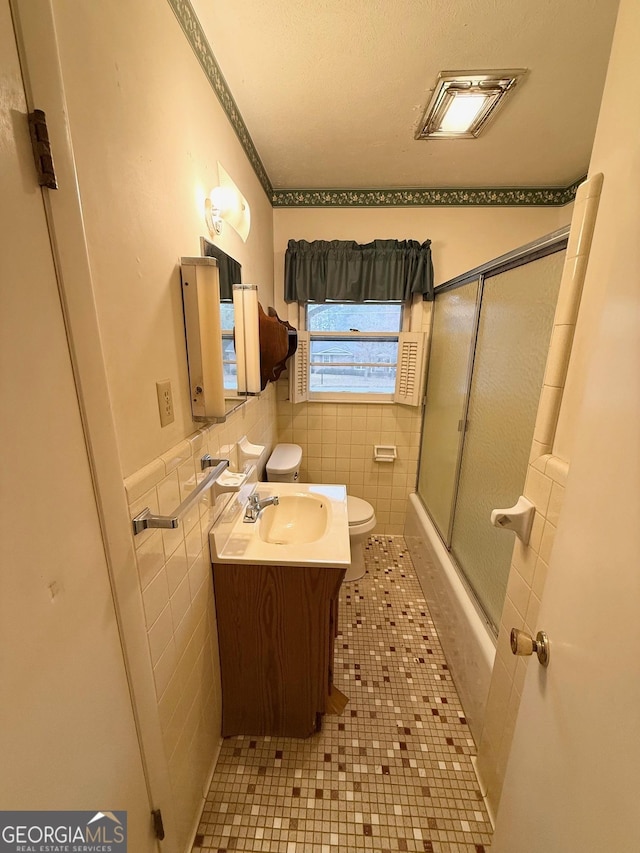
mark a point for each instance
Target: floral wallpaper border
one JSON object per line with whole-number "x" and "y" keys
{"x": 424, "y": 197}
{"x": 417, "y": 197}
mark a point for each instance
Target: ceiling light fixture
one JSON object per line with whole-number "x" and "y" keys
{"x": 464, "y": 102}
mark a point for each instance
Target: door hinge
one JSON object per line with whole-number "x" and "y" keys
{"x": 158, "y": 826}
{"x": 42, "y": 150}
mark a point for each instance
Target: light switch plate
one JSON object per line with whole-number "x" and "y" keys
{"x": 165, "y": 402}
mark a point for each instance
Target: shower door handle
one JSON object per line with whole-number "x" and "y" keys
{"x": 524, "y": 644}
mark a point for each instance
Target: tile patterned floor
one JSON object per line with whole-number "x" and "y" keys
{"x": 392, "y": 773}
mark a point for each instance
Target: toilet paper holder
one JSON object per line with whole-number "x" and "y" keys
{"x": 518, "y": 518}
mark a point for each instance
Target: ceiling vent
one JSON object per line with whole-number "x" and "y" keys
{"x": 464, "y": 102}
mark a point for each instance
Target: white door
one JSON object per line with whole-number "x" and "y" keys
{"x": 68, "y": 737}
{"x": 573, "y": 778}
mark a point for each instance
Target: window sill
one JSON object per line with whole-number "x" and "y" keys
{"x": 349, "y": 398}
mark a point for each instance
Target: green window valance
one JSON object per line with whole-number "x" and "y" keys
{"x": 345, "y": 271}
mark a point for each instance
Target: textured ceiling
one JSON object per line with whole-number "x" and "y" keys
{"x": 332, "y": 91}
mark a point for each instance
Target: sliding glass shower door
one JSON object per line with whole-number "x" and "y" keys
{"x": 452, "y": 336}
{"x": 515, "y": 326}
{"x": 490, "y": 341}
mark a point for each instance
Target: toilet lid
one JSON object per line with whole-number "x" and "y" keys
{"x": 358, "y": 511}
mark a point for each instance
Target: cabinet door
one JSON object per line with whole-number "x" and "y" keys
{"x": 274, "y": 628}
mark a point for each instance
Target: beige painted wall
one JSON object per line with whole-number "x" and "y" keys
{"x": 148, "y": 132}
{"x": 461, "y": 238}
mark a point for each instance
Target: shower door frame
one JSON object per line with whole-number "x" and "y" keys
{"x": 556, "y": 241}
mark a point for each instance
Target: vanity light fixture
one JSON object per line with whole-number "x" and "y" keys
{"x": 464, "y": 102}
{"x": 212, "y": 213}
{"x": 225, "y": 203}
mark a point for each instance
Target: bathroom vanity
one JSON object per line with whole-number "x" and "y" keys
{"x": 276, "y": 629}
{"x": 276, "y": 585}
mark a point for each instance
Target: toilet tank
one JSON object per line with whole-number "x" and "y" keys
{"x": 284, "y": 463}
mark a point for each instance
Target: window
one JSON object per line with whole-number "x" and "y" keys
{"x": 356, "y": 351}
{"x": 229, "y": 366}
{"x": 353, "y": 348}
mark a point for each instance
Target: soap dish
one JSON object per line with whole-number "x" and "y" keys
{"x": 248, "y": 452}
{"x": 385, "y": 452}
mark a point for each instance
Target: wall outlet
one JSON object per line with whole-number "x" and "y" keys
{"x": 165, "y": 402}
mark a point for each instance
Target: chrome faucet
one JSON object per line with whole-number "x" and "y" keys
{"x": 255, "y": 507}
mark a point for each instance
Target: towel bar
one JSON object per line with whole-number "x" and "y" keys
{"x": 146, "y": 518}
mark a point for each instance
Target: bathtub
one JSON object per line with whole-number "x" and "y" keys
{"x": 466, "y": 639}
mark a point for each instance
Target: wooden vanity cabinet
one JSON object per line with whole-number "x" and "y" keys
{"x": 276, "y": 631}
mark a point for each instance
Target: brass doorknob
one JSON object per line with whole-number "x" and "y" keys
{"x": 524, "y": 644}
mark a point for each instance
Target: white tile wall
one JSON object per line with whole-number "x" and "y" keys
{"x": 174, "y": 570}
{"x": 337, "y": 441}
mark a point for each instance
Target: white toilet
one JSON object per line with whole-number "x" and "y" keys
{"x": 284, "y": 467}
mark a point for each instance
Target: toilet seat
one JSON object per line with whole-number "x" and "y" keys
{"x": 362, "y": 520}
{"x": 358, "y": 511}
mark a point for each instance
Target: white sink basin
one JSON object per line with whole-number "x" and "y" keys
{"x": 296, "y": 519}
{"x": 308, "y": 527}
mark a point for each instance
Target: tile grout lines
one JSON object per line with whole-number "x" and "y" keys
{"x": 392, "y": 773}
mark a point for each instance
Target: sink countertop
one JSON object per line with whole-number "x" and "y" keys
{"x": 233, "y": 541}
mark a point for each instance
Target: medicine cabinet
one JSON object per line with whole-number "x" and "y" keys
{"x": 233, "y": 347}
{"x": 213, "y": 327}
{"x": 203, "y": 330}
